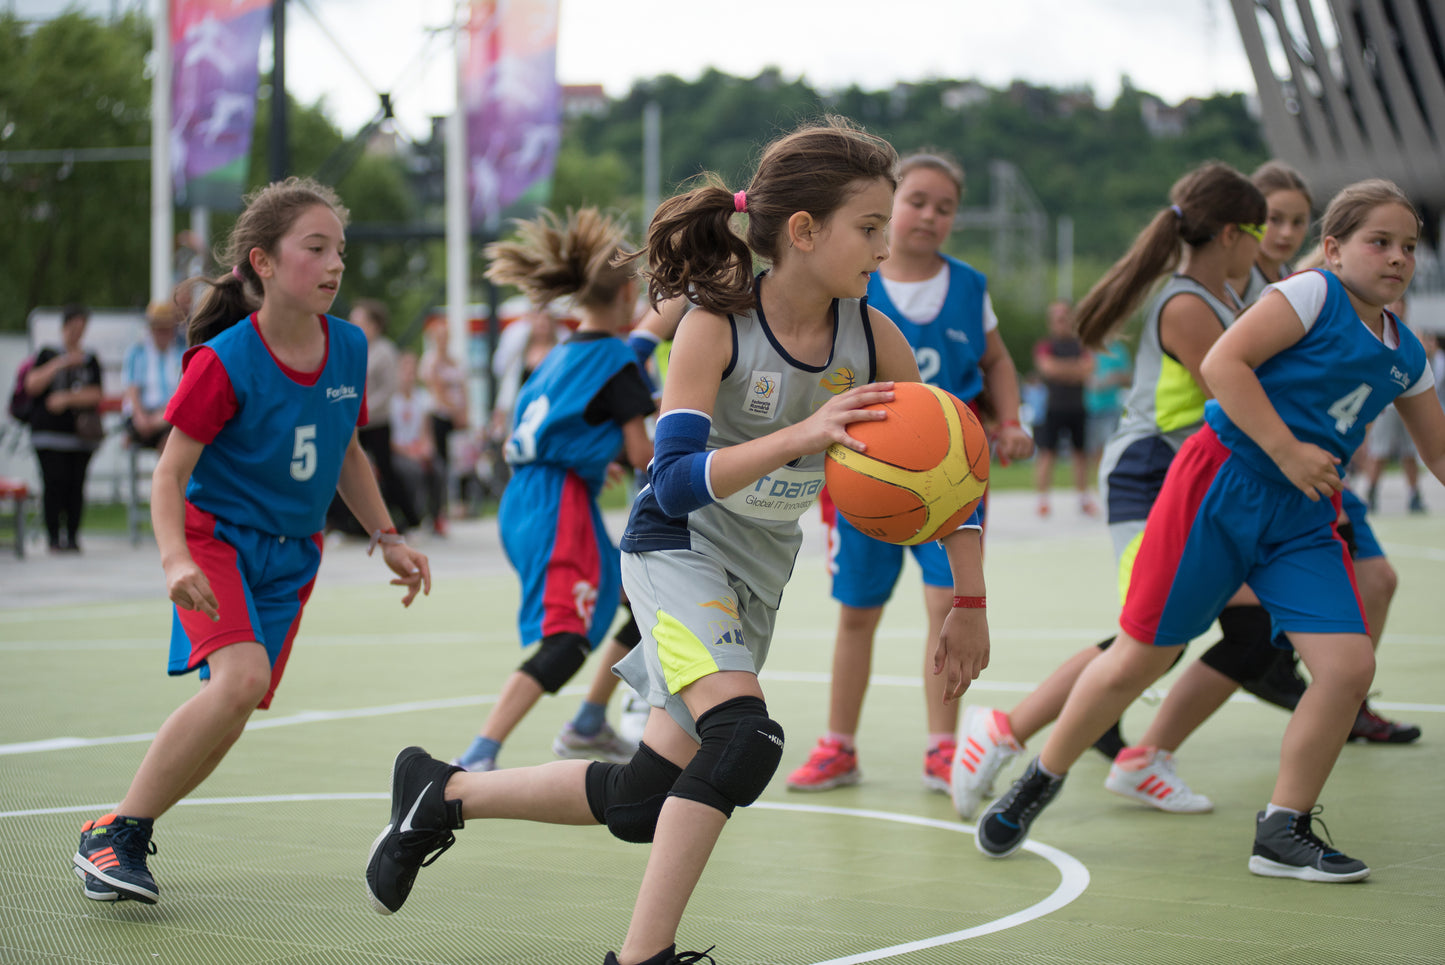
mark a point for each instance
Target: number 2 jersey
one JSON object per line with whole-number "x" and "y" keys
{"x": 274, "y": 437}
{"x": 1331, "y": 384}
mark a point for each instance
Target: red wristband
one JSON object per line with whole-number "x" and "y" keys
{"x": 1010, "y": 424}
{"x": 970, "y": 602}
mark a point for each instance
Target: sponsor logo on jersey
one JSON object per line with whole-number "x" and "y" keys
{"x": 958, "y": 335}
{"x": 762, "y": 398}
{"x": 1398, "y": 376}
{"x": 340, "y": 393}
{"x": 839, "y": 380}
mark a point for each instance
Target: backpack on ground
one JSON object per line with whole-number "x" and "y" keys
{"x": 22, "y": 403}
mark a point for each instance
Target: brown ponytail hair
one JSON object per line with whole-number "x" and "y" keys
{"x": 1203, "y": 202}
{"x": 692, "y": 249}
{"x": 1272, "y": 176}
{"x": 269, "y": 214}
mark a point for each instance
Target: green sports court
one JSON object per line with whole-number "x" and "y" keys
{"x": 264, "y": 863}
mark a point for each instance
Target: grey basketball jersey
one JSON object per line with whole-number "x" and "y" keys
{"x": 754, "y": 532}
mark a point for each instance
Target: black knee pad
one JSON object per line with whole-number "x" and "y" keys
{"x": 1245, "y": 651}
{"x": 557, "y": 660}
{"x": 629, "y": 797}
{"x": 629, "y": 634}
{"x": 741, "y": 749}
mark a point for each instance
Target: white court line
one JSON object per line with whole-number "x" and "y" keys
{"x": 444, "y": 703}
{"x": 1073, "y": 874}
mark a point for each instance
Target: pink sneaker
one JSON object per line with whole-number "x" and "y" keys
{"x": 986, "y": 743}
{"x": 830, "y": 765}
{"x": 938, "y": 766}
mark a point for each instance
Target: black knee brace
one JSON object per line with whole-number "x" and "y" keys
{"x": 558, "y": 658}
{"x": 741, "y": 748}
{"x": 629, "y": 797}
{"x": 1245, "y": 651}
{"x": 629, "y": 634}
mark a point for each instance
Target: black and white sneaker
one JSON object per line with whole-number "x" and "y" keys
{"x": 1004, "y": 827}
{"x": 421, "y": 828}
{"x": 1286, "y": 847}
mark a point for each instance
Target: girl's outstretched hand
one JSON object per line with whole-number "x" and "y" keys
{"x": 1313, "y": 470}
{"x": 963, "y": 648}
{"x": 829, "y": 424}
{"x": 189, "y": 589}
{"x": 411, "y": 568}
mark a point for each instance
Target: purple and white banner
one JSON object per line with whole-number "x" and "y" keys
{"x": 513, "y": 105}
{"x": 215, "y": 52}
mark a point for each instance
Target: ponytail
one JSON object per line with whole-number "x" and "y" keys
{"x": 226, "y": 302}
{"x": 1204, "y": 201}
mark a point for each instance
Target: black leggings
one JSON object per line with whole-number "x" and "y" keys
{"x": 62, "y": 473}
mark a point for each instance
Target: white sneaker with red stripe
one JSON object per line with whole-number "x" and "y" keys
{"x": 985, "y": 744}
{"x": 1147, "y": 774}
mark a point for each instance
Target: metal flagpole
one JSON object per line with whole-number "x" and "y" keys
{"x": 162, "y": 223}
{"x": 457, "y": 206}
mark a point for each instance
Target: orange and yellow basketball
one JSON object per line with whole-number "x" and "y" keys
{"x": 925, "y": 470}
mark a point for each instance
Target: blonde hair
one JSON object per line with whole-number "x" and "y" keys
{"x": 1349, "y": 209}
{"x": 553, "y": 258}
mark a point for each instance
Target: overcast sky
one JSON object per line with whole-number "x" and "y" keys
{"x": 351, "y": 49}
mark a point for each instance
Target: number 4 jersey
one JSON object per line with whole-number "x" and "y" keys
{"x": 1332, "y": 383}
{"x": 274, "y": 437}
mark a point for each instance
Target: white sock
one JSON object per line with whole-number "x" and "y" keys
{"x": 1272, "y": 809}
{"x": 1045, "y": 771}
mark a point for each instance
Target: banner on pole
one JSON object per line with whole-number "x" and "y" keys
{"x": 513, "y": 107}
{"x": 215, "y": 54}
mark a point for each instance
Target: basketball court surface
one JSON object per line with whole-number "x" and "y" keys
{"x": 264, "y": 864}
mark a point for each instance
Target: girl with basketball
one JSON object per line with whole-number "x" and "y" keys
{"x": 265, "y": 421}
{"x": 1207, "y": 235}
{"x": 1253, "y": 497}
{"x": 758, "y": 386}
{"x": 943, "y": 308}
{"x": 585, "y": 401}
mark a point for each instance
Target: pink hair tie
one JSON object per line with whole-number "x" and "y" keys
{"x": 236, "y": 272}
{"x": 740, "y": 201}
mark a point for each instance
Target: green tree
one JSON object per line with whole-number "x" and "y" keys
{"x": 73, "y": 231}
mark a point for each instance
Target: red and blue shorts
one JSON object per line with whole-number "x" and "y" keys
{"x": 261, "y": 583}
{"x": 554, "y": 537}
{"x": 1218, "y": 524}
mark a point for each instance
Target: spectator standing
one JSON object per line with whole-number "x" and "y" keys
{"x": 65, "y": 426}
{"x": 1066, "y": 368}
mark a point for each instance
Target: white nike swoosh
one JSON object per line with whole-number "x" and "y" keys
{"x": 406, "y": 821}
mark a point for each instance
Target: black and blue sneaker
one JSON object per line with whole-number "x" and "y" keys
{"x": 1004, "y": 827}
{"x": 1286, "y": 847}
{"x": 112, "y": 859}
{"x": 421, "y": 827}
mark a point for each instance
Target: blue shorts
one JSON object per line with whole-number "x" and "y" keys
{"x": 1216, "y": 525}
{"x": 261, "y": 583}
{"x": 1367, "y": 545}
{"x": 554, "y": 537}
{"x": 865, "y": 570}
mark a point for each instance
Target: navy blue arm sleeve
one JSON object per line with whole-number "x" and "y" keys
{"x": 680, "y": 462}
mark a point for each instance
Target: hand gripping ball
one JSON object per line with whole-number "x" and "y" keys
{"x": 924, "y": 471}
